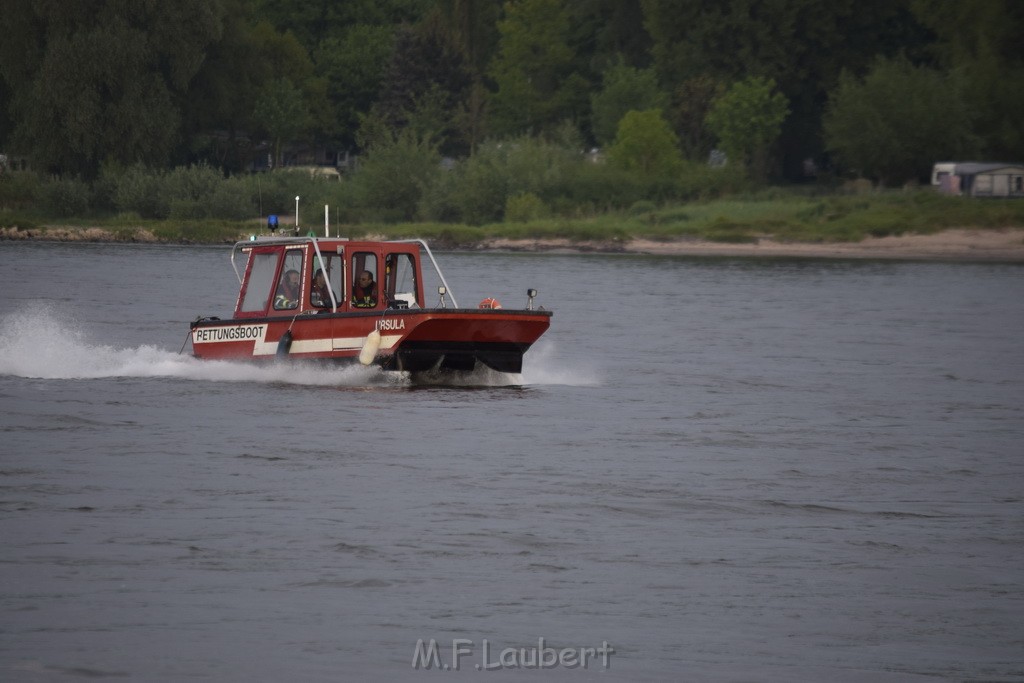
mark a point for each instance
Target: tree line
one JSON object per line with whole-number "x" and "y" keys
{"x": 782, "y": 88}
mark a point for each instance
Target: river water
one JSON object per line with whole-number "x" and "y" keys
{"x": 709, "y": 470}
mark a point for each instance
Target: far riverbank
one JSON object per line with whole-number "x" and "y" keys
{"x": 956, "y": 244}
{"x": 966, "y": 244}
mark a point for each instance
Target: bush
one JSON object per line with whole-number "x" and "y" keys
{"x": 189, "y": 190}
{"x": 483, "y": 188}
{"x": 394, "y": 176}
{"x": 275, "y": 193}
{"x": 19, "y": 189}
{"x": 186, "y": 209}
{"x": 525, "y": 207}
{"x": 477, "y": 188}
{"x": 141, "y": 190}
{"x": 192, "y": 183}
{"x": 232, "y": 200}
{"x": 542, "y": 168}
{"x": 603, "y": 187}
{"x": 104, "y": 188}
{"x": 642, "y": 207}
{"x": 645, "y": 144}
{"x": 64, "y": 197}
{"x": 439, "y": 203}
{"x": 699, "y": 181}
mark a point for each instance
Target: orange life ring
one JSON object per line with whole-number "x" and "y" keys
{"x": 490, "y": 303}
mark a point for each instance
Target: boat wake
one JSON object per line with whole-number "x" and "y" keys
{"x": 542, "y": 366}
{"x": 42, "y": 343}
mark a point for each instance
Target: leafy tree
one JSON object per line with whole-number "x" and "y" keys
{"x": 980, "y": 41}
{"x": 473, "y": 30}
{"x": 314, "y": 22}
{"x": 218, "y": 112}
{"x": 533, "y": 70}
{"x": 290, "y": 73}
{"x": 426, "y": 82}
{"x": 646, "y": 144}
{"x": 691, "y": 103}
{"x": 284, "y": 55}
{"x": 353, "y": 66}
{"x": 238, "y": 71}
{"x": 897, "y": 121}
{"x": 6, "y": 124}
{"x": 725, "y": 38}
{"x": 625, "y": 89}
{"x": 609, "y": 31}
{"x": 802, "y": 44}
{"x": 431, "y": 117}
{"x": 282, "y": 112}
{"x": 102, "y": 80}
{"x": 95, "y": 82}
{"x": 747, "y": 119}
{"x": 973, "y": 29}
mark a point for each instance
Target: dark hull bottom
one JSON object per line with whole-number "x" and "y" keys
{"x": 463, "y": 356}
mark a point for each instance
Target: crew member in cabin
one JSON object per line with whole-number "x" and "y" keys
{"x": 288, "y": 291}
{"x": 364, "y": 292}
{"x": 319, "y": 294}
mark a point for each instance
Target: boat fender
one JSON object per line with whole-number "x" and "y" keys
{"x": 490, "y": 303}
{"x": 284, "y": 344}
{"x": 370, "y": 348}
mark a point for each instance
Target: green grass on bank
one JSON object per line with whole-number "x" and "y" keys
{"x": 788, "y": 218}
{"x": 776, "y": 214}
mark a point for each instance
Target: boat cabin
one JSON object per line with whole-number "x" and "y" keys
{"x": 288, "y": 276}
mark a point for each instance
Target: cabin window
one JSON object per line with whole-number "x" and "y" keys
{"x": 364, "y": 280}
{"x": 328, "y": 278}
{"x": 400, "y": 281}
{"x": 260, "y": 283}
{"x": 289, "y": 285}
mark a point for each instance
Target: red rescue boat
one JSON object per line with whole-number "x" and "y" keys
{"x": 336, "y": 299}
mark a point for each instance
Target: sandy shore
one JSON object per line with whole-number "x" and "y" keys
{"x": 1005, "y": 245}
{"x": 959, "y": 245}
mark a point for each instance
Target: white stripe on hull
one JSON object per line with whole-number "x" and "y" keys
{"x": 325, "y": 345}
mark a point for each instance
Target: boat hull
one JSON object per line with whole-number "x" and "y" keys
{"x": 413, "y": 340}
